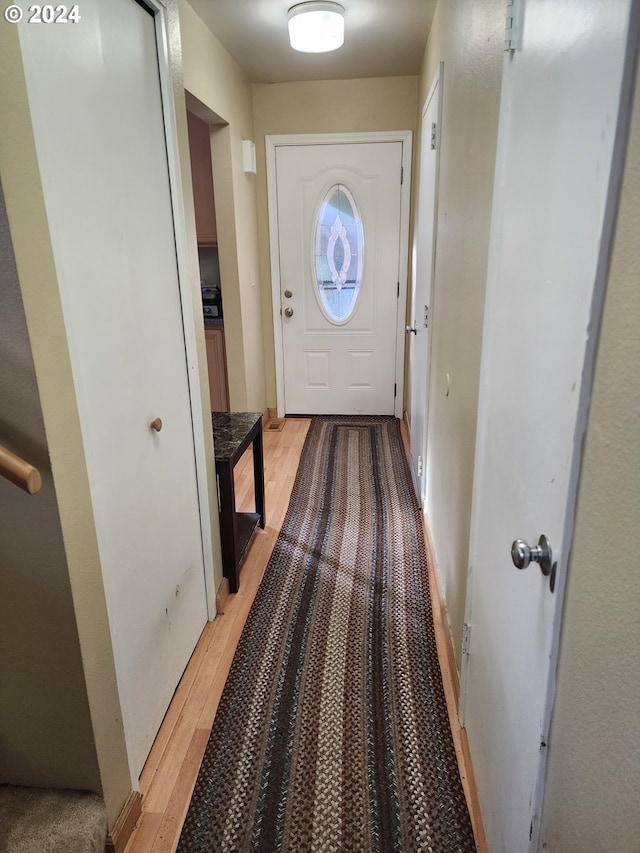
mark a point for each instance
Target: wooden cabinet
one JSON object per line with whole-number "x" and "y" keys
{"x": 202, "y": 178}
{"x": 217, "y": 363}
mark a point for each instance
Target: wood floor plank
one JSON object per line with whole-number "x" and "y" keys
{"x": 169, "y": 832}
{"x": 261, "y": 552}
{"x": 145, "y": 833}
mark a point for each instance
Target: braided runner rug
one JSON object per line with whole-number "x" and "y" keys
{"x": 332, "y": 732}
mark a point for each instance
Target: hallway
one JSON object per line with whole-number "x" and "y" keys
{"x": 518, "y": 188}
{"x": 172, "y": 767}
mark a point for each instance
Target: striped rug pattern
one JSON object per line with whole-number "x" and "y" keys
{"x": 332, "y": 733}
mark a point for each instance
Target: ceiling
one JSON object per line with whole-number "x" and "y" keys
{"x": 383, "y": 38}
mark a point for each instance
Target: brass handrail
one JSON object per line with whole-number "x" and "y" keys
{"x": 14, "y": 468}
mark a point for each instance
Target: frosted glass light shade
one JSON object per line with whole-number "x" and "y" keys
{"x": 316, "y": 27}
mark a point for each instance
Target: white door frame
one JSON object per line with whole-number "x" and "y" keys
{"x": 436, "y": 82}
{"x": 186, "y": 303}
{"x": 272, "y": 143}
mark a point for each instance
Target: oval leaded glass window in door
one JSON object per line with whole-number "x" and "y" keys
{"x": 339, "y": 246}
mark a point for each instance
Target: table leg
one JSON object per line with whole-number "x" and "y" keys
{"x": 228, "y": 525}
{"x": 258, "y": 477}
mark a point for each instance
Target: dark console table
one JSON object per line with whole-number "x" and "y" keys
{"x": 232, "y": 434}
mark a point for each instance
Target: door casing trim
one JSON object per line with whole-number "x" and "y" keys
{"x": 158, "y": 9}
{"x": 435, "y": 90}
{"x": 272, "y": 143}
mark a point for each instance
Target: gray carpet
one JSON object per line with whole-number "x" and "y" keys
{"x": 38, "y": 820}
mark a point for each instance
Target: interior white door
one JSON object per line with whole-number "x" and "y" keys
{"x": 339, "y": 336}
{"x": 550, "y": 234}
{"x": 95, "y": 94}
{"x": 419, "y": 329}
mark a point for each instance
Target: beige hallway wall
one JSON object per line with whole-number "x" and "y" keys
{"x": 467, "y": 35}
{"x": 45, "y": 724}
{"x": 320, "y": 106}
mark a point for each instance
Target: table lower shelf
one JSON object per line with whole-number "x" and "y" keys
{"x": 246, "y": 525}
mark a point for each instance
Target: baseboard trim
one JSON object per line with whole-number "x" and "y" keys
{"x": 222, "y": 597}
{"x": 122, "y": 829}
{"x": 405, "y": 432}
{"x": 440, "y": 619}
{"x": 451, "y": 683}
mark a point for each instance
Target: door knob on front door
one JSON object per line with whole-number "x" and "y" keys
{"x": 288, "y": 312}
{"x": 523, "y": 554}
{"x": 156, "y": 424}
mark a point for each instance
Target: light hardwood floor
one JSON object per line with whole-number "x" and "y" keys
{"x": 170, "y": 773}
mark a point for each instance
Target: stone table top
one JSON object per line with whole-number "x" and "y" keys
{"x": 230, "y": 430}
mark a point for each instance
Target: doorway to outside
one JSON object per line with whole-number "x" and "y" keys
{"x": 338, "y": 221}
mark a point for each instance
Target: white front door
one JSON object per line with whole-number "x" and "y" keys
{"x": 339, "y": 212}
{"x": 97, "y": 111}
{"x": 550, "y": 236}
{"x": 420, "y": 322}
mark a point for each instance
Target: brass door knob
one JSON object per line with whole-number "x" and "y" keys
{"x": 156, "y": 424}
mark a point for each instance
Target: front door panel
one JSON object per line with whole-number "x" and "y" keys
{"x": 339, "y": 327}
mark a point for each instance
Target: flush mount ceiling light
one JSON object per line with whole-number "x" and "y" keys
{"x": 316, "y": 27}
